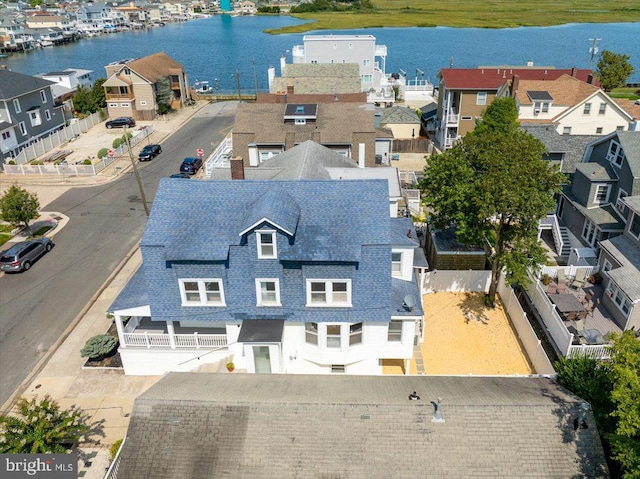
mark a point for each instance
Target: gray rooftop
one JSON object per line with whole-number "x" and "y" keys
{"x": 607, "y": 217}
{"x": 14, "y": 84}
{"x": 397, "y": 115}
{"x": 630, "y": 142}
{"x": 633, "y": 202}
{"x": 321, "y": 78}
{"x": 385, "y": 173}
{"x": 627, "y": 252}
{"x": 197, "y": 425}
{"x": 595, "y": 171}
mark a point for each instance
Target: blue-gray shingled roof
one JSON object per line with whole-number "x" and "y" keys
{"x": 400, "y": 289}
{"x": 630, "y": 142}
{"x": 134, "y": 294}
{"x": 403, "y": 232}
{"x": 276, "y": 206}
{"x": 14, "y": 84}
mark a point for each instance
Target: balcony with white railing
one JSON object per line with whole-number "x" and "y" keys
{"x": 449, "y": 141}
{"x": 380, "y": 51}
{"x": 452, "y": 117}
{"x": 141, "y": 332}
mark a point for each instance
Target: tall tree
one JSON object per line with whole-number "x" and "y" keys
{"x": 41, "y": 428}
{"x": 19, "y": 206}
{"x": 494, "y": 186}
{"x": 163, "y": 95}
{"x": 613, "y": 69}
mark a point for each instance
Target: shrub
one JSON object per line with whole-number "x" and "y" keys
{"x": 11, "y": 162}
{"x": 86, "y": 162}
{"x": 116, "y": 143}
{"x": 102, "y": 152}
{"x": 114, "y": 448}
{"x": 99, "y": 347}
{"x": 546, "y": 279}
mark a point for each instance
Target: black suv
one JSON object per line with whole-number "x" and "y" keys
{"x": 149, "y": 152}
{"x": 191, "y": 165}
{"x": 120, "y": 122}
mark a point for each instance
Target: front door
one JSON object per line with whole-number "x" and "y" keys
{"x": 261, "y": 359}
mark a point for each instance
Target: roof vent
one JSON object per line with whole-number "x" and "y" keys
{"x": 437, "y": 416}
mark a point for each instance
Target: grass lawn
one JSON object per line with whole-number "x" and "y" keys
{"x": 471, "y": 13}
{"x": 625, "y": 92}
{"x": 4, "y": 237}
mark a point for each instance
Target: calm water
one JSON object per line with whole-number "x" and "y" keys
{"x": 214, "y": 48}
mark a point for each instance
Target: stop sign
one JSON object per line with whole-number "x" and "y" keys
{"x": 111, "y": 153}
{"x": 200, "y": 151}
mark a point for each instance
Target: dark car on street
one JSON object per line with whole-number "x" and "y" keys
{"x": 181, "y": 175}
{"x": 121, "y": 122}
{"x": 191, "y": 165}
{"x": 149, "y": 152}
{"x": 22, "y": 255}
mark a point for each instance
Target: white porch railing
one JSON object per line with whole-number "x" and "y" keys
{"x": 163, "y": 340}
{"x": 220, "y": 156}
{"x": 593, "y": 351}
{"x": 112, "y": 472}
{"x": 569, "y": 271}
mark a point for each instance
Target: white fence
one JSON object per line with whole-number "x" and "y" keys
{"x": 478, "y": 281}
{"x": 57, "y": 138}
{"x": 569, "y": 271}
{"x": 220, "y": 157}
{"x": 456, "y": 281}
{"x": 79, "y": 169}
{"x": 527, "y": 335}
{"x": 112, "y": 472}
{"x": 163, "y": 340}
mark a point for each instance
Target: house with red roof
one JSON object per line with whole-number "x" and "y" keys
{"x": 464, "y": 93}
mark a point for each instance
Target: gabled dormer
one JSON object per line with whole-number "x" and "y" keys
{"x": 541, "y": 101}
{"x": 301, "y": 113}
{"x": 274, "y": 214}
{"x": 594, "y": 184}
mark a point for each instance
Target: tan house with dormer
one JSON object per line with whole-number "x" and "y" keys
{"x": 132, "y": 86}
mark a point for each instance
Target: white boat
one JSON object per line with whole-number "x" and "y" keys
{"x": 202, "y": 87}
{"x": 46, "y": 43}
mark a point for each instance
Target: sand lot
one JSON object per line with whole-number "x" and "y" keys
{"x": 462, "y": 336}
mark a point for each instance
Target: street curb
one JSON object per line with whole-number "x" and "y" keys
{"x": 37, "y": 369}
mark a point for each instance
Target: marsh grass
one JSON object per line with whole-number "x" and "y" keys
{"x": 471, "y": 13}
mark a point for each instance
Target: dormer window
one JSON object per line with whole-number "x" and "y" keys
{"x": 266, "y": 244}
{"x": 300, "y": 109}
{"x": 615, "y": 154}
{"x": 602, "y": 193}
{"x": 396, "y": 264}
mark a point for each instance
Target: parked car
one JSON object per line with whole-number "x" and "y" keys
{"x": 22, "y": 255}
{"x": 120, "y": 122}
{"x": 181, "y": 175}
{"x": 191, "y": 165}
{"x": 149, "y": 152}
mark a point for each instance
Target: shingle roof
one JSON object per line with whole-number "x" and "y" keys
{"x": 597, "y": 171}
{"x": 275, "y": 206}
{"x": 134, "y": 294}
{"x": 633, "y": 202}
{"x": 627, "y": 253}
{"x": 565, "y": 90}
{"x": 400, "y": 289}
{"x": 403, "y": 232}
{"x": 398, "y": 115}
{"x": 630, "y": 142}
{"x": 492, "y": 78}
{"x": 194, "y": 425}
{"x": 14, "y": 84}
{"x": 155, "y": 66}
{"x": 336, "y": 123}
{"x": 573, "y": 146}
{"x": 606, "y": 217}
{"x": 307, "y": 78}
{"x": 390, "y": 174}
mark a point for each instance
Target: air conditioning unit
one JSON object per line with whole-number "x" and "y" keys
{"x": 536, "y": 111}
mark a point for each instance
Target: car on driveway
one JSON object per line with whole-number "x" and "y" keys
{"x": 149, "y": 152}
{"x": 121, "y": 122}
{"x": 191, "y": 165}
{"x": 22, "y": 255}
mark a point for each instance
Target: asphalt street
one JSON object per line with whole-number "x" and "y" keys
{"x": 105, "y": 222}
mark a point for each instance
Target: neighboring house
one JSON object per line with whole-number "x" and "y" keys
{"x": 619, "y": 263}
{"x": 262, "y": 130}
{"x": 573, "y": 106}
{"x": 132, "y": 86}
{"x": 445, "y": 252}
{"x": 591, "y": 207}
{"x": 67, "y": 81}
{"x": 355, "y": 49}
{"x": 191, "y": 426}
{"x": 12, "y": 33}
{"x": 27, "y": 112}
{"x": 316, "y": 78}
{"x": 464, "y": 93}
{"x": 248, "y": 8}
{"x": 402, "y": 121}
{"x": 278, "y": 276}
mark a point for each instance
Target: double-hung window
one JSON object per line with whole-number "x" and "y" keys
{"x": 619, "y": 202}
{"x": 587, "y": 108}
{"x": 602, "y": 193}
{"x": 329, "y": 292}
{"x": 16, "y": 105}
{"x": 396, "y": 264}
{"x": 616, "y": 153}
{"x": 266, "y": 244}
{"x": 333, "y": 336}
{"x": 603, "y": 109}
{"x": 481, "y": 98}
{"x": 201, "y": 292}
{"x": 355, "y": 334}
{"x": 268, "y": 292}
{"x": 395, "y": 331}
{"x": 43, "y": 96}
{"x": 634, "y": 227}
{"x": 619, "y": 298}
{"x": 311, "y": 333}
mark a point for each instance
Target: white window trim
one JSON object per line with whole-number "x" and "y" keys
{"x": 352, "y": 334}
{"x": 619, "y": 203}
{"x": 35, "y": 118}
{"x": 300, "y": 121}
{"x": 326, "y": 337}
{"x": 274, "y": 243}
{"x": 587, "y": 109}
{"x": 47, "y": 115}
{"x": 23, "y": 128}
{"x": 483, "y": 95}
{"x": 615, "y": 293}
{"x": 603, "y": 109}
{"x": 316, "y": 334}
{"x": 634, "y": 215}
{"x": 399, "y": 263}
{"x": 606, "y": 198}
{"x": 259, "y": 300}
{"x": 329, "y": 293}
{"x": 143, "y": 102}
{"x": 401, "y": 331}
{"x": 16, "y": 105}
{"x": 202, "y": 291}
{"x": 43, "y": 96}
{"x": 606, "y": 266}
{"x": 114, "y": 105}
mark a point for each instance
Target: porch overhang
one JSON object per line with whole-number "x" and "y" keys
{"x": 261, "y": 331}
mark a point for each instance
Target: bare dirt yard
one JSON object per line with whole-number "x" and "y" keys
{"x": 462, "y": 336}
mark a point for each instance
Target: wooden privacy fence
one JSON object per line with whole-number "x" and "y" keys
{"x": 416, "y": 145}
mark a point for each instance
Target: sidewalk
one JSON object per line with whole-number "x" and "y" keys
{"x": 106, "y": 395}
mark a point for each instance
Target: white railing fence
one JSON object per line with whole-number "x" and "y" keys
{"x": 57, "y": 138}
{"x": 112, "y": 472}
{"x": 592, "y": 351}
{"x": 533, "y": 346}
{"x": 165, "y": 340}
{"x": 456, "y": 281}
{"x": 220, "y": 156}
{"x": 80, "y": 169}
{"x": 569, "y": 271}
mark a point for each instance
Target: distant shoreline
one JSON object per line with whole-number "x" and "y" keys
{"x": 497, "y": 14}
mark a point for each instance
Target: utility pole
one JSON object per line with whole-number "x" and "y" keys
{"x": 238, "y": 83}
{"x": 255, "y": 76}
{"x": 136, "y": 173}
{"x": 593, "y": 50}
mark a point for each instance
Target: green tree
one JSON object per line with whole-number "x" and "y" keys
{"x": 163, "y": 95}
{"x": 494, "y": 186}
{"x": 624, "y": 369}
{"x": 19, "y": 206}
{"x": 98, "y": 97}
{"x": 87, "y": 100}
{"x": 613, "y": 69}
{"x": 41, "y": 428}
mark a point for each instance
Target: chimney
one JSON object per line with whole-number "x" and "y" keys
{"x": 574, "y": 72}
{"x": 515, "y": 83}
{"x": 590, "y": 79}
{"x": 283, "y": 64}
{"x": 290, "y": 89}
{"x": 237, "y": 168}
